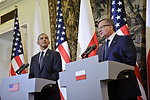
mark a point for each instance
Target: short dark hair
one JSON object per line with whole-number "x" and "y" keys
{"x": 109, "y": 21}
{"x": 40, "y": 35}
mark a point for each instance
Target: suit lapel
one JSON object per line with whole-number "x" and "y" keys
{"x": 114, "y": 41}
{"x": 37, "y": 62}
{"x": 102, "y": 53}
{"x": 101, "y": 50}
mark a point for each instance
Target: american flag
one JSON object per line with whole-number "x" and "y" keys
{"x": 17, "y": 57}
{"x": 13, "y": 87}
{"x": 61, "y": 44}
{"x": 119, "y": 16}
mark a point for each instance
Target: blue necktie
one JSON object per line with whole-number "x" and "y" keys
{"x": 106, "y": 48}
{"x": 41, "y": 59}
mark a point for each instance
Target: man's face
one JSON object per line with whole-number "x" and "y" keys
{"x": 43, "y": 41}
{"x": 104, "y": 29}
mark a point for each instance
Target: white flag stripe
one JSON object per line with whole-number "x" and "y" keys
{"x": 79, "y": 73}
{"x": 63, "y": 61}
{"x": 119, "y": 32}
{"x": 148, "y": 14}
{"x": 63, "y": 64}
{"x": 37, "y": 28}
{"x": 63, "y": 91}
{"x": 15, "y": 65}
{"x": 22, "y": 58}
{"x": 147, "y": 27}
{"x": 142, "y": 90}
{"x": 65, "y": 45}
{"x": 143, "y": 95}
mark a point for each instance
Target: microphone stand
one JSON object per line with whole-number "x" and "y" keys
{"x": 86, "y": 56}
{"x": 19, "y": 73}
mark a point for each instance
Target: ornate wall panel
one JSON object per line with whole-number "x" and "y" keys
{"x": 71, "y": 19}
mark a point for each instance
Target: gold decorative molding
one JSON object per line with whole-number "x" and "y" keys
{"x": 7, "y": 3}
{"x": 52, "y": 15}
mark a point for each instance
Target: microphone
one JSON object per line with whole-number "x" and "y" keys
{"x": 17, "y": 71}
{"x": 87, "y": 49}
{"x": 91, "y": 49}
{"x": 22, "y": 67}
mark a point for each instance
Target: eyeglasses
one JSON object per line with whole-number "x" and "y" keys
{"x": 102, "y": 26}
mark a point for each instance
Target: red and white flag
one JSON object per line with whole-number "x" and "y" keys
{"x": 17, "y": 57}
{"x": 139, "y": 79}
{"x": 80, "y": 75}
{"x": 119, "y": 17}
{"x": 87, "y": 33}
{"x": 148, "y": 44}
{"x": 61, "y": 44}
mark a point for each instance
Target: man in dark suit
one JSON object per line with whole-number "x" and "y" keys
{"x": 46, "y": 64}
{"x": 120, "y": 49}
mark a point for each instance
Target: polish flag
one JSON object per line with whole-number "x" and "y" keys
{"x": 87, "y": 34}
{"x": 80, "y": 75}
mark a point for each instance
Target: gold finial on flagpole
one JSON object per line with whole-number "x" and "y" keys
{"x": 16, "y": 7}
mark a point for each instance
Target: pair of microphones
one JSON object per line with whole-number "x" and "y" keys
{"x": 88, "y": 51}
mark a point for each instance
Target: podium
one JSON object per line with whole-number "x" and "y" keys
{"x": 87, "y": 79}
{"x": 20, "y": 87}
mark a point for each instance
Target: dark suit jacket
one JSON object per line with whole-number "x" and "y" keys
{"x": 121, "y": 50}
{"x": 52, "y": 65}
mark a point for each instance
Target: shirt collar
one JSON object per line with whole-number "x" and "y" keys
{"x": 111, "y": 38}
{"x": 43, "y": 51}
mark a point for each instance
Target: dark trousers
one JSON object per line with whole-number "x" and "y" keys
{"x": 48, "y": 93}
{"x": 131, "y": 98}
{"x": 124, "y": 88}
